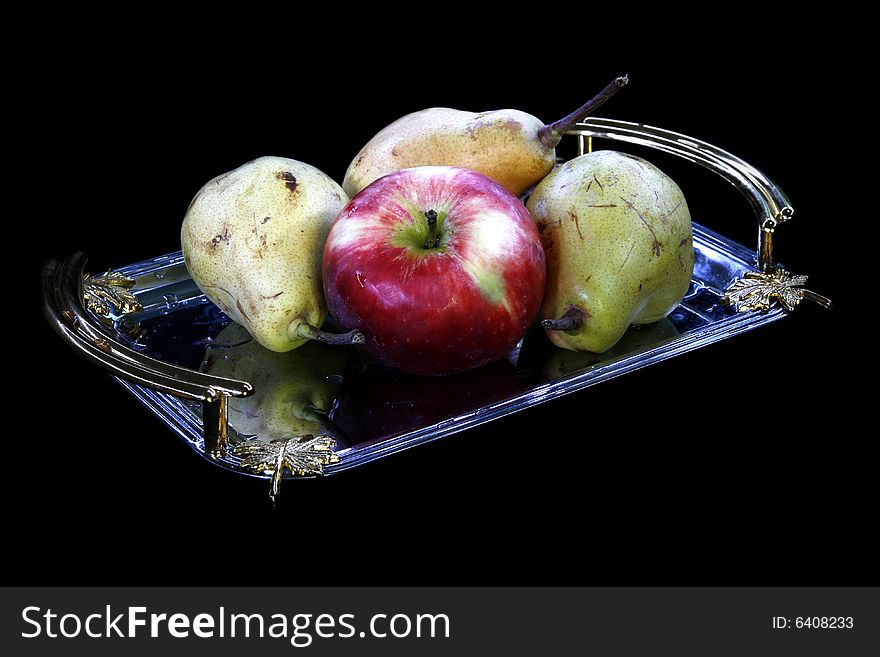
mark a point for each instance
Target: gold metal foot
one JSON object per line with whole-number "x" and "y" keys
{"x": 300, "y": 455}
{"x": 215, "y": 418}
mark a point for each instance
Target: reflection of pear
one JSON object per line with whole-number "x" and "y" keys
{"x": 617, "y": 234}
{"x": 292, "y": 391}
{"x": 638, "y": 338}
{"x": 380, "y": 402}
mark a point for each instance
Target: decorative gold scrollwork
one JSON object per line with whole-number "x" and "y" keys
{"x": 109, "y": 290}
{"x": 758, "y": 291}
{"x": 300, "y": 455}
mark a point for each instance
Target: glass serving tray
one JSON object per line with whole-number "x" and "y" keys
{"x": 229, "y": 398}
{"x": 375, "y": 411}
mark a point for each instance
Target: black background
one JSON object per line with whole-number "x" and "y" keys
{"x": 737, "y": 463}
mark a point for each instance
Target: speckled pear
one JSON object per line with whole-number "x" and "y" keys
{"x": 617, "y": 235}
{"x": 513, "y": 147}
{"x": 252, "y": 241}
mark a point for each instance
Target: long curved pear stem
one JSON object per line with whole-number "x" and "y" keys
{"x": 572, "y": 320}
{"x": 551, "y": 134}
{"x": 309, "y": 332}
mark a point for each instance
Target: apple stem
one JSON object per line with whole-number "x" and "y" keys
{"x": 551, "y": 134}
{"x": 309, "y": 332}
{"x": 571, "y": 320}
{"x": 432, "y": 241}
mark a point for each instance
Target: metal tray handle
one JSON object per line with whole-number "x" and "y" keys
{"x": 755, "y": 291}
{"x": 768, "y": 201}
{"x": 63, "y": 307}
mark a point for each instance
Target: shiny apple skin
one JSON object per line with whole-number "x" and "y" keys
{"x": 437, "y": 310}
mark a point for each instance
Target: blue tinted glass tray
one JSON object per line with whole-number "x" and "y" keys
{"x": 184, "y": 360}
{"x": 374, "y": 412}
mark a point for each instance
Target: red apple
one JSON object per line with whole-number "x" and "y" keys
{"x": 440, "y": 268}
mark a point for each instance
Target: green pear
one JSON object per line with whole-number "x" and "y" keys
{"x": 293, "y": 391}
{"x": 617, "y": 235}
{"x": 253, "y": 240}
{"x": 513, "y": 147}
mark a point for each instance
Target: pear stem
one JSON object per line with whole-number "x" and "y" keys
{"x": 572, "y": 320}
{"x": 321, "y": 417}
{"x": 309, "y": 332}
{"x": 432, "y": 241}
{"x": 551, "y": 134}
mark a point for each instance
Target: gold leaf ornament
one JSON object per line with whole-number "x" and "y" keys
{"x": 300, "y": 455}
{"x": 107, "y": 290}
{"x": 757, "y": 291}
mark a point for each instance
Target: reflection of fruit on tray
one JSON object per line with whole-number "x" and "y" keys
{"x": 293, "y": 391}
{"x": 380, "y": 402}
{"x": 562, "y": 362}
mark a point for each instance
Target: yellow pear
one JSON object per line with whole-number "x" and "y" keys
{"x": 617, "y": 235}
{"x": 513, "y": 147}
{"x": 253, "y": 240}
